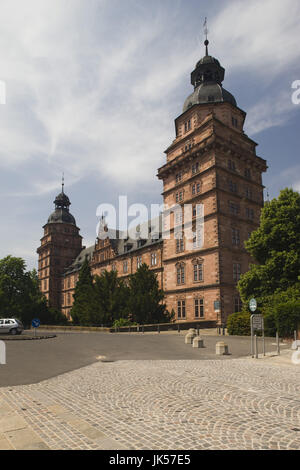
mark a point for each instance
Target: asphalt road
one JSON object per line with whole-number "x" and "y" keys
{"x": 33, "y": 361}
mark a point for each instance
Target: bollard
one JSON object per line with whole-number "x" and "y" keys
{"x": 158, "y": 329}
{"x": 295, "y": 335}
{"x": 198, "y": 342}
{"x": 189, "y": 338}
{"x": 198, "y": 330}
{"x": 222, "y": 349}
{"x": 178, "y": 328}
{"x": 278, "y": 343}
{"x": 143, "y": 329}
{"x": 256, "y": 347}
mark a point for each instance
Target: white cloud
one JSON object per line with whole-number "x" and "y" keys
{"x": 262, "y": 36}
{"x": 271, "y": 111}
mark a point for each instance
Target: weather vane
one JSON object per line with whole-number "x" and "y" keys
{"x": 63, "y": 182}
{"x": 206, "y": 42}
{"x": 205, "y": 28}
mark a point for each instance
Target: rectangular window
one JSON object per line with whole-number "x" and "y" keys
{"x": 235, "y": 236}
{"x": 179, "y": 245}
{"x": 234, "y": 122}
{"x": 198, "y": 272}
{"x": 199, "y": 308}
{"x": 178, "y": 217}
{"x": 234, "y": 208}
{"x": 179, "y": 177}
{"x": 180, "y": 275}
{"x": 198, "y": 239}
{"x": 125, "y": 266}
{"x": 248, "y": 193}
{"x": 232, "y": 187}
{"x": 138, "y": 262}
{"x": 153, "y": 259}
{"x": 181, "y": 309}
{"x": 179, "y": 196}
{"x": 237, "y": 304}
{"x": 247, "y": 173}
{"x": 195, "y": 168}
{"x": 249, "y": 213}
{"x": 236, "y": 271}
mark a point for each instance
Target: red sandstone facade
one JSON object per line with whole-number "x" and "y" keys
{"x": 210, "y": 162}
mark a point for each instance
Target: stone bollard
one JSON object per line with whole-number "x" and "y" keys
{"x": 221, "y": 349}
{"x": 198, "y": 342}
{"x": 189, "y": 338}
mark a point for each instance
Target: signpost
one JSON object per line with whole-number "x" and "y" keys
{"x": 257, "y": 324}
{"x": 35, "y": 324}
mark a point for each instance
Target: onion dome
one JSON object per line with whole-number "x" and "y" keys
{"x": 62, "y": 213}
{"x": 207, "y": 80}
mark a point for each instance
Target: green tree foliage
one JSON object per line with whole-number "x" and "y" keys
{"x": 20, "y": 295}
{"x": 275, "y": 246}
{"x": 146, "y": 298}
{"x": 85, "y": 310}
{"x": 239, "y": 324}
{"x": 112, "y": 297}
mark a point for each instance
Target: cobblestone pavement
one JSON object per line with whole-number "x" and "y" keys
{"x": 190, "y": 404}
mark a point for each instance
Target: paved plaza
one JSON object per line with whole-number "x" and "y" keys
{"x": 238, "y": 403}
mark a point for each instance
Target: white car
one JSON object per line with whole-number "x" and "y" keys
{"x": 13, "y": 326}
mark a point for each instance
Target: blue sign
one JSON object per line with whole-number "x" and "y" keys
{"x": 35, "y": 323}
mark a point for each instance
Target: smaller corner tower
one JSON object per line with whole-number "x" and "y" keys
{"x": 59, "y": 247}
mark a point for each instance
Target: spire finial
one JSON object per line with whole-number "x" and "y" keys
{"x": 63, "y": 182}
{"x": 206, "y": 42}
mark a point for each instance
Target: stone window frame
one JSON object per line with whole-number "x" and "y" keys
{"x": 196, "y": 188}
{"x": 237, "y": 271}
{"x": 199, "y": 306}
{"x": 180, "y": 273}
{"x": 235, "y": 236}
{"x": 179, "y": 177}
{"x": 179, "y": 198}
{"x": 179, "y": 245}
{"x": 181, "y": 307}
{"x": 198, "y": 262}
{"x": 237, "y": 304}
{"x": 125, "y": 266}
{"x": 154, "y": 258}
{"x": 195, "y": 168}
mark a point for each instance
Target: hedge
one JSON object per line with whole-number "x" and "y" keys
{"x": 239, "y": 324}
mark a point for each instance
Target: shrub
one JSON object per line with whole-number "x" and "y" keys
{"x": 123, "y": 322}
{"x": 287, "y": 318}
{"x": 239, "y": 324}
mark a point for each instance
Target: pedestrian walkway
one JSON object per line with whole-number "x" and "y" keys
{"x": 150, "y": 404}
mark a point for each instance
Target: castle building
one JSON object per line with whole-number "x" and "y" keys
{"x": 211, "y": 163}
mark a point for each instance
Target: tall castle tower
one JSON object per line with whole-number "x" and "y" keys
{"x": 60, "y": 245}
{"x": 214, "y": 163}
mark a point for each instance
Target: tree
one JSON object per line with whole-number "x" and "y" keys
{"x": 146, "y": 298}
{"x": 20, "y": 295}
{"x": 85, "y": 309}
{"x": 275, "y": 246}
{"x": 112, "y": 297}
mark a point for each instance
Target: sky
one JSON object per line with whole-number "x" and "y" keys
{"x": 92, "y": 89}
